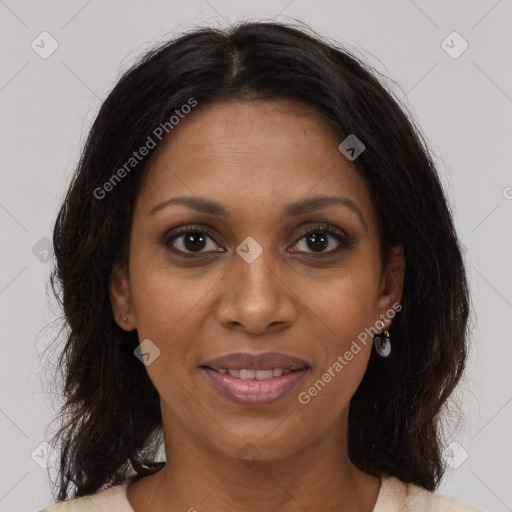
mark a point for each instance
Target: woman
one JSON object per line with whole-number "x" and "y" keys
{"x": 257, "y": 259}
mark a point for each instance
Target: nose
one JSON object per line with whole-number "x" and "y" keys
{"x": 255, "y": 299}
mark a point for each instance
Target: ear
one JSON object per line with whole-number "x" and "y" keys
{"x": 120, "y": 298}
{"x": 392, "y": 283}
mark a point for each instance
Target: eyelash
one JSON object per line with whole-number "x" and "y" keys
{"x": 340, "y": 236}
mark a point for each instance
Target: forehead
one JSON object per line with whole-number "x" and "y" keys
{"x": 255, "y": 154}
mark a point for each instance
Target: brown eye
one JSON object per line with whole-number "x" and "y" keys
{"x": 317, "y": 241}
{"x": 194, "y": 241}
{"x": 323, "y": 237}
{"x": 190, "y": 240}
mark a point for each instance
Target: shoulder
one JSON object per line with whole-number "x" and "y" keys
{"x": 397, "y": 495}
{"x": 112, "y": 499}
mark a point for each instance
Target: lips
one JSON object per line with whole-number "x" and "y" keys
{"x": 254, "y": 393}
{"x": 265, "y": 361}
{"x": 255, "y": 379}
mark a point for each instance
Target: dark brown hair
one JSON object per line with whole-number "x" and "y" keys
{"x": 111, "y": 413}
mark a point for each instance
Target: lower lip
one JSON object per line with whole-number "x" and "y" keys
{"x": 255, "y": 393}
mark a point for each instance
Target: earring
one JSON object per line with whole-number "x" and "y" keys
{"x": 125, "y": 319}
{"x": 382, "y": 343}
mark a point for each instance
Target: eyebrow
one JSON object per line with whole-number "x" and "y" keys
{"x": 299, "y": 207}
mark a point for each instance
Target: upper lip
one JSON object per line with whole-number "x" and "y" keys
{"x": 265, "y": 361}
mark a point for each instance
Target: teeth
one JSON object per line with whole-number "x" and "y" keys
{"x": 262, "y": 374}
{"x": 246, "y": 374}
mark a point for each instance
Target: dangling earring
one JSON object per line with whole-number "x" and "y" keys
{"x": 382, "y": 343}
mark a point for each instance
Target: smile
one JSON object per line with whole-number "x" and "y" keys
{"x": 245, "y": 374}
{"x": 255, "y": 388}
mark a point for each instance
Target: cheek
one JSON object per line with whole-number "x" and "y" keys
{"x": 348, "y": 344}
{"x": 164, "y": 297}
{"x": 345, "y": 313}
{"x": 166, "y": 304}
{"x": 348, "y": 305}
{"x": 348, "y": 315}
{"x": 343, "y": 350}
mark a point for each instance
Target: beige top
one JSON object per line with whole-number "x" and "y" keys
{"x": 394, "y": 496}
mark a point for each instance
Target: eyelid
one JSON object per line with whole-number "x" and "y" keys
{"x": 175, "y": 233}
{"x": 326, "y": 228}
{"x": 344, "y": 240}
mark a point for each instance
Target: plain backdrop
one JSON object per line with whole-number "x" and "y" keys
{"x": 461, "y": 98}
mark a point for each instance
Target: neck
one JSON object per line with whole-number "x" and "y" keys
{"x": 195, "y": 477}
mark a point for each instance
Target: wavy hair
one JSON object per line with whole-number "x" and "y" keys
{"x": 110, "y": 417}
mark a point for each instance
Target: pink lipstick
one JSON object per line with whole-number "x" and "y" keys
{"x": 255, "y": 379}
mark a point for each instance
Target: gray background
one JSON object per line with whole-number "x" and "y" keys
{"x": 462, "y": 104}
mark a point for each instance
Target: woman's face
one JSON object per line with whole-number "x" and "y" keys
{"x": 248, "y": 278}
